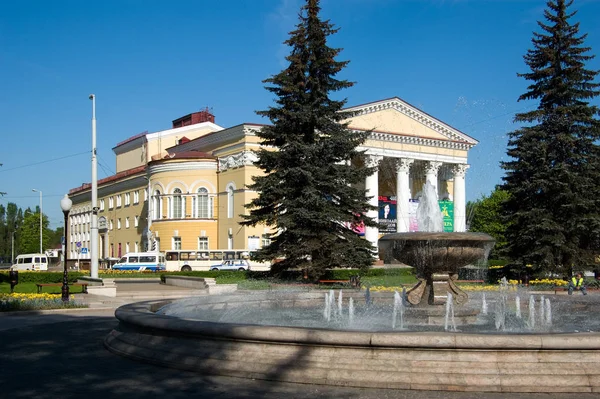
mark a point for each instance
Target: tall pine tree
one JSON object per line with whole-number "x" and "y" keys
{"x": 309, "y": 193}
{"x": 552, "y": 177}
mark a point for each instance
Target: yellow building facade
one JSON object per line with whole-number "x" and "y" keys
{"x": 184, "y": 188}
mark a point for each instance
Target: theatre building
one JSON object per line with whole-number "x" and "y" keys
{"x": 185, "y": 187}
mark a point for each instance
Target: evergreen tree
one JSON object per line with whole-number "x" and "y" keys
{"x": 553, "y": 174}
{"x": 309, "y": 193}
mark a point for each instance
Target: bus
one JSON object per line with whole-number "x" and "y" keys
{"x": 188, "y": 260}
{"x": 141, "y": 261}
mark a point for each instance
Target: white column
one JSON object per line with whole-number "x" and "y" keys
{"x": 460, "y": 221}
{"x": 403, "y": 194}
{"x": 372, "y": 190}
{"x": 431, "y": 173}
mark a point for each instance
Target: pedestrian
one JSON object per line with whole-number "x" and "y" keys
{"x": 576, "y": 283}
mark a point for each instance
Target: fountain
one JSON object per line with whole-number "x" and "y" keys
{"x": 435, "y": 255}
{"x": 379, "y": 339}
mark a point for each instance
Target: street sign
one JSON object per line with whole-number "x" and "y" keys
{"x": 62, "y": 240}
{"x": 84, "y": 250}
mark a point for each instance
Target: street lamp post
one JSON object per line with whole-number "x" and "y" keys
{"x": 65, "y": 205}
{"x": 41, "y": 219}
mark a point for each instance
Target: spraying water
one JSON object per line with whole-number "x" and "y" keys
{"x": 429, "y": 214}
{"x": 351, "y": 311}
{"x": 332, "y": 307}
{"x": 398, "y": 310}
{"x": 500, "y": 313}
{"x": 449, "y": 322}
{"x": 518, "y": 307}
{"x": 340, "y": 303}
{"x": 542, "y": 308}
{"x": 484, "y": 305}
{"x": 548, "y": 313}
{"x": 327, "y": 308}
{"x": 531, "y": 312}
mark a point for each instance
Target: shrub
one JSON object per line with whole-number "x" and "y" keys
{"x": 42, "y": 277}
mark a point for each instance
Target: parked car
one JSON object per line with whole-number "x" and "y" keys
{"x": 238, "y": 264}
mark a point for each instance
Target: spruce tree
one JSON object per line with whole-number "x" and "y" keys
{"x": 310, "y": 193}
{"x": 552, "y": 177}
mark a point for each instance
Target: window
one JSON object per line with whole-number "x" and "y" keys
{"x": 177, "y": 205}
{"x": 127, "y": 222}
{"x": 145, "y": 194}
{"x": 202, "y": 243}
{"x": 119, "y": 199}
{"x": 136, "y": 221}
{"x": 266, "y": 240}
{"x": 127, "y": 248}
{"x": 230, "y": 201}
{"x": 119, "y": 223}
{"x": 111, "y": 202}
{"x": 176, "y": 243}
{"x": 102, "y": 204}
{"x": 156, "y": 206}
{"x": 110, "y": 224}
{"x": 202, "y": 204}
{"x": 127, "y": 199}
{"x": 136, "y": 247}
{"x": 136, "y": 197}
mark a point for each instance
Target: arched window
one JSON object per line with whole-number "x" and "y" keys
{"x": 177, "y": 205}
{"x": 156, "y": 205}
{"x": 202, "y": 204}
{"x": 230, "y": 201}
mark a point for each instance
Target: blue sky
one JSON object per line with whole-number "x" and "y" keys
{"x": 150, "y": 62}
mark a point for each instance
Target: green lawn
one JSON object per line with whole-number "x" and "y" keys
{"x": 31, "y": 288}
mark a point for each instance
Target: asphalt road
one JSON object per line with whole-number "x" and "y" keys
{"x": 61, "y": 356}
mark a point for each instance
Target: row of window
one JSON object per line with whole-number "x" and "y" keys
{"x": 136, "y": 222}
{"x": 120, "y": 198}
{"x": 202, "y": 243}
{"x": 202, "y": 204}
{"x": 204, "y": 246}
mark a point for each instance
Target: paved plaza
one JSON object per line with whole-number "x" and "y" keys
{"x": 59, "y": 354}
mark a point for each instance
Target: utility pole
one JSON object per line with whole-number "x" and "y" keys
{"x": 94, "y": 224}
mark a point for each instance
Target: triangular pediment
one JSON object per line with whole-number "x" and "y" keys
{"x": 396, "y": 116}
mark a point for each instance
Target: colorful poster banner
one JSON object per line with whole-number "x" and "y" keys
{"x": 446, "y": 207}
{"x": 387, "y": 214}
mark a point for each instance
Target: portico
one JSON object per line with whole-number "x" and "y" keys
{"x": 422, "y": 148}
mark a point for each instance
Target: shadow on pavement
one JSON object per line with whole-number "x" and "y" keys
{"x": 66, "y": 358}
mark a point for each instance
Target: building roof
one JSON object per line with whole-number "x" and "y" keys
{"x": 109, "y": 179}
{"x": 191, "y": 154}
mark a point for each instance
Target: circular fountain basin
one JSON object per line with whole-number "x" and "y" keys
{"x": 436, "y": 252}
{"x": 430, "y": 360}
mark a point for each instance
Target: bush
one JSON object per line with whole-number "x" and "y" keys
{"x": 42, "y": 277}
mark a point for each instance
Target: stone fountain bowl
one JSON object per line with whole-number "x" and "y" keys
{"x": 433, "y": 252}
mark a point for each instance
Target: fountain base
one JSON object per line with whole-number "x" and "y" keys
{"x": 434, "y": 290}
{"x": 396, "y": 360}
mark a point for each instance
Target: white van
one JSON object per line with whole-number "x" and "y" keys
{"x": 141, "y": 261}
{"x": 36, "y": 262}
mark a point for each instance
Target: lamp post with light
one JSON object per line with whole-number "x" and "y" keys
{"x": 41, "y": 219}
{"x": 65, "y": 205}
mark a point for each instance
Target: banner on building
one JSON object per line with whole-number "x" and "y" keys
{"x": 446, "y": 207}
{"x": 387, "y": 214}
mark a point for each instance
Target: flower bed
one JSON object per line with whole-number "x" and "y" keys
{"x": 19, "y": 301}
